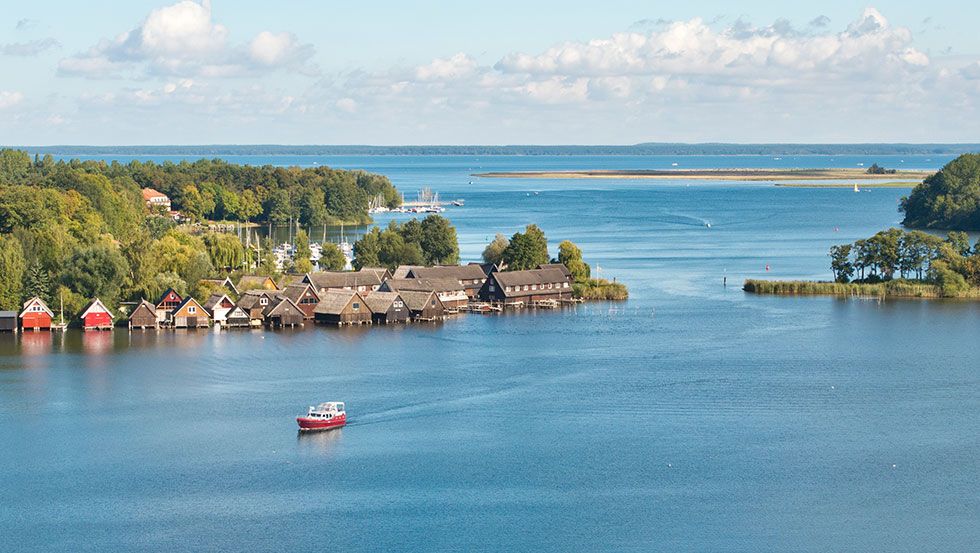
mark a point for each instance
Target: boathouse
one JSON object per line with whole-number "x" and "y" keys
{"x": 304, "y": 296}
{"x": 342, "y": 307}
{"x": 36, "y": 315}
{"x": 450, "y": 290}
{"x": 356, "y": 281}
{"x": 526, "y": 287}
{"x": 96, "y": 316}
{"x": 167, "y": 303}
{"x": 560, "y": 267}
{"x": 382, "y": 273}
{"x": 471, "y": 277}
{"x": 423, "y": 306}
{"x": 144, "y": 316}
{"x": 8, "y": 321}
{"x": 253, "y": 282}
{"x": 190, "y": 314}
{"x": 387, "y": 307}
{"x": 254, "y": 303}
{"x": 218, "y": 306}
{"x": 282, "y": 313}
{"x": 217, "y": 284}
{"x": 236, "y": 318}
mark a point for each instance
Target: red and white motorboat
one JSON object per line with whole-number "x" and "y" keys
{"x": 323, "y": 417}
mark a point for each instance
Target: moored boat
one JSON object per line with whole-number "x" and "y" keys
{"x": 325, "y": 416}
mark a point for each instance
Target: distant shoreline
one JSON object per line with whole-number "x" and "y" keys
{"x": 715, "y": 174}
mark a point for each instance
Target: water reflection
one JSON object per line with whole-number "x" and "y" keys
{"x": 34, "y": 344}
{"x": 97, "y": 342}
{"x": 324, "y": 441}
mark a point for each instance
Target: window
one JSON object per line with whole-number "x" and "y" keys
{"x": 192, "y": 310}
{"x": 565, "y": 285}
{"x": 264, "y": 301}
{"x": 492, "y": 288}
{"x": 356, "y": 306}
{"x": 507, "y": 289}
{"x": 525, "y": 287}
{"x": 433, "y": 303}
{"x": 534, "y": 287}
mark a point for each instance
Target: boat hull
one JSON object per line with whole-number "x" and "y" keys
{"x": 307, "y": 424}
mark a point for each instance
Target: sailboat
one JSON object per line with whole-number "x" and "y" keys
{"x": 856, "y": 189}
{"x": 62, "y": 325}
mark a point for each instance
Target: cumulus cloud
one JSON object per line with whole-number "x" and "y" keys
{"x": 30, "y": 48}
{"x": 183, "y": 39}
{"x": 10, "y": 98}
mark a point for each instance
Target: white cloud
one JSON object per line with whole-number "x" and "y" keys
{"x": 30, "y": 48}
{"x": 183, "y": 39}
{"x": 456, "y": 67}
{"x": 10, "y": 99}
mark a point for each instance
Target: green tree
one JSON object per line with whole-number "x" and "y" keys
{"x": 96, "y": 271}
{"x": 367, "y": 249}
{"x": 570, "y": 256}
{"x": 494, "y": 252}
{"x": 949, "y": 199}
{"x": 197, "y": 203}
{"x": 960, "y": 241}
{"x": 302, "y": 262}
{"x": 526, "y": 250}
{"x": 313, "y": 207}
{"x": 840, "y": 263}
{"x": 37, "y": 282}
{"x": 439, "y": 245}
{"x": 12, "y": 267}
{"x": 332, "y": 258}
{"x": 248, "y": 206}
{"x": 225, "y": 250}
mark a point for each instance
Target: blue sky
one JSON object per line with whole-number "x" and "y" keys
{"x": 300, "y": 72}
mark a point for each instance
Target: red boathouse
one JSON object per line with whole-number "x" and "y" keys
{"x": 96, "y": 316}
{"x": 36, "y": 315}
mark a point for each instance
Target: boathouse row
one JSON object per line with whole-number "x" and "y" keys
{"x": 367, "y": 296}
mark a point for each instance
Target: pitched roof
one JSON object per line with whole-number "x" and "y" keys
{"x": 459, "y": 272}
{"x": 251, "y": 297}
{"x": 402, "y": 271}
{"x": 214, "y": 300}
{"x": 379, "y": 302}
{"x": 417, "y": 300}
{"x": 251, "y": 282}
{"x": 560, "y": 266}
{"x": 289, "y": 280}
{"x": 188, "y": 300}
{"x": 280, "y": 306}
{"x": 236, "y": 313}
{"x": 343, "y": 279}
{"x": 529, "y": 277}
{"x": 487, "y": 267}
{"x": 226, "y": 282}
{"x": 95, "y": 304}
{"x": 166, "y": 293}
{"x": 149, "y": 194}
{"x": 8, "y": 314}
{"x": 333, "y": 302}
{"x": 39, "y": 302}
{"x": 424, "y": 284}
{"x": 296, "y": 292}
{"x": 382, "y": 272}
{"x": 146, "y": 305}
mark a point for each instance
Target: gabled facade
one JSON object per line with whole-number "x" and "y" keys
{"x": 225, "y": 283}
{"x": 283, "y": 313}
{"x": 424, "y": 306}
{"x": 36, "y": 315}
{"x": 342, "y": 307}
{"x": 237, "y": 318}
{"x": 144, "y": 316}
{"x": 190, "y": 314}
{"x": 254, "y": 303}
{"x": 304, "y": 296}
{"x": 167, "y": 303}
{"x": 387, "y": 307}
{"x": 96, "y": 316}
{"x": 218, "y": 306}
{"x": 471, "y": 277}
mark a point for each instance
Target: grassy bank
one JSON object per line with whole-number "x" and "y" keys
{"x": 600, "y": 289}
{"x": 714, "y": 174}
{"x": 891, "y": 289}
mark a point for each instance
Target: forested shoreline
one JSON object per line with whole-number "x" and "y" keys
{"x": 74, "y": 230}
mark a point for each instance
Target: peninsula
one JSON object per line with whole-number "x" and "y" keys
{"x": 713, "y": 174}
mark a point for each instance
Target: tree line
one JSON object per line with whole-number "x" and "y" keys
{"x": 949, "y": 262}
{"x": 949, "y": 199}
{"x": 70, "y": 231}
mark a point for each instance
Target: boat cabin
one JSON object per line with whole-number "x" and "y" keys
{"x": 167, "y": 303}
{"x": 8, "y": 321}
{"x": 96, "y": 316}
{"x": 143, "y": 316}
{"x": 282, "y": 313}
{"x": 387, "y": 307}
{"x": 190, "y": 314}
{"x": 342, "y": 307}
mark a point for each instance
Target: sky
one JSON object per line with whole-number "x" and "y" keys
{"x": 503, "y": 72}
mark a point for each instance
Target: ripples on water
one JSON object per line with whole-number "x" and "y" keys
{"x": 691, "y": 418}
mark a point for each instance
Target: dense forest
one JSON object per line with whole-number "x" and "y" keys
{"x": 949, "y": 199}
{"x": 519, "y": 150}
{"x": 75, "y": 230}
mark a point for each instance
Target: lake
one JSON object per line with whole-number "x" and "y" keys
{"x": 693, "y": 417}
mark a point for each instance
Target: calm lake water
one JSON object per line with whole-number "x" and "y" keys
{"x": 691, "y": 418}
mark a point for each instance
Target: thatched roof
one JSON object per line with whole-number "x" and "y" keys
{"x": 333, "y": 302}
{"x": 559, "y": 266}
{"x": 424, "y": 284}
{"x": 379, "y": 302}
{"x": 416, "y": 300}
{"x": 343, "y": 279}
{"x": 464, "y": 273}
